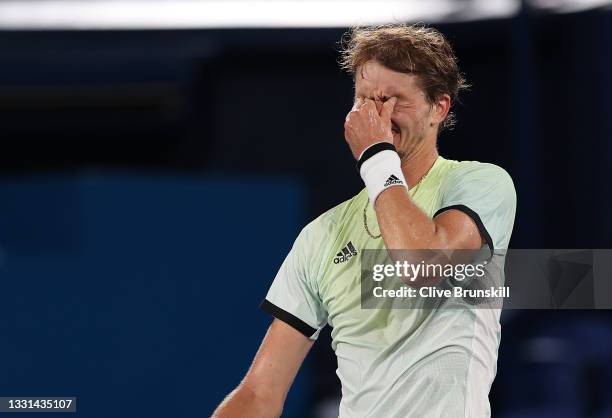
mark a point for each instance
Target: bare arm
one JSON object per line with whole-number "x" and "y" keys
{"x": 404, "y": 226}
{"x": 262, "y": 392}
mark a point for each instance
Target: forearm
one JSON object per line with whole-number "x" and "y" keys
{"x": 407, "y": 231}
{"x": 403, "y": 225}
{"x": 243, "y": 402}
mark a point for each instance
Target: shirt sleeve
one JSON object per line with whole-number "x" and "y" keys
{"x": 484, "y": 192}
{"x": 293, "y": 297}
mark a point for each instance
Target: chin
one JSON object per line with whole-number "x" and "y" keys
{"x": 401, "y": 150}
{"x": 405, "y": 148}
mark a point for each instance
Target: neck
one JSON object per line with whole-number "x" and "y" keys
{"x": 417, "y": 162}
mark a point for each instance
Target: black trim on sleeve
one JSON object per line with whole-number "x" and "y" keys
{"x": 287, "y": 318}
{"x": 469, "y": 212}
{"x": 374, "y": 149}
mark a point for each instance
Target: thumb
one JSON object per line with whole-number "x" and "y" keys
{"x": 387, "y": 109}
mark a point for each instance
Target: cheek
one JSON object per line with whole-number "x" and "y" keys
{"x": 413, "y": 123}
{"x": 404, "y": 123}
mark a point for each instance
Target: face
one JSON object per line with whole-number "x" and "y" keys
{"x": 413, "y": 116}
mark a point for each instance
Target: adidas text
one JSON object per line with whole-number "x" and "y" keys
{"x": 392, "y": 180}
{"x": 347, "y": 252}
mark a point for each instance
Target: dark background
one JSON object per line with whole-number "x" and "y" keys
{"x": 153, "y": 181}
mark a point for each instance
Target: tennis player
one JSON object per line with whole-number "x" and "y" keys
{"x": 391, "y": 362}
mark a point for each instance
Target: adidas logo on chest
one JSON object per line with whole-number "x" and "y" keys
{"x": 347, "y": 252}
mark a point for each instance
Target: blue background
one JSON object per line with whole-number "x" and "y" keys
{"x": 138, "y": 294}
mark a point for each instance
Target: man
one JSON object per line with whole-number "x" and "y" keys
{"x": 391, "y": 362}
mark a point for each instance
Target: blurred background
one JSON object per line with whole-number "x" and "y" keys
{"x": 159, "y": 158}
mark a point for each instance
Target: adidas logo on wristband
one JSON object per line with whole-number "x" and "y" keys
{"x": 393, "y": 180}
{"x": 380, "y": 162}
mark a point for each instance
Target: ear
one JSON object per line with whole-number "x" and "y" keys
{"x": 440, "y": 108}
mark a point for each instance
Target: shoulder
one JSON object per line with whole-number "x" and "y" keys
{"x": 318, "y": 236}
{"x": 486, "y": 193}
{"x": 329, "y": 221}
{"x": 316, "y": 239}
{"x": 476, "y": 170}
{"x": 478, "y": 177}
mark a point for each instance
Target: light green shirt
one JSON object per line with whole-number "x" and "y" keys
{"x": 399, "y": 362}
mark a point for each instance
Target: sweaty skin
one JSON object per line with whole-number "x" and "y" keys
{"x": 364, "y": 122}
{"x": 405, "y": 118}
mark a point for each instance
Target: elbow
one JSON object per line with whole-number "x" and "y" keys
{"x": 267, "y": 404}
{"x": 246, "y": 401}
{"x": 275, "y": 410}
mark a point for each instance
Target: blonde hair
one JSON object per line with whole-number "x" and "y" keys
{"x": 412, "y": 49}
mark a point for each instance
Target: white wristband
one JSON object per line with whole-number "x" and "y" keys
{"x": 381, "y": 171}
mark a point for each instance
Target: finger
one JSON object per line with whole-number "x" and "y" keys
{"x": 387, "y": 109}
{"x": 379, "y": 105}
{"x": 358, "y": 102}
{"x": 370, "y": 107}
{"x": 369, "y": 103}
